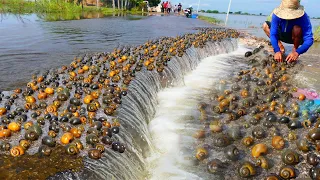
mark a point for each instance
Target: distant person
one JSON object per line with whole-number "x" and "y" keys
{"x": 162, "y": 7}
{"x": 189, "y": 11}
{"x": 175, "y": 10}
{"x": 166, "y": 7}
{"x": 289, "y": 24}
{"x": 179, "y": 8}
{"x": 169, "y": 7}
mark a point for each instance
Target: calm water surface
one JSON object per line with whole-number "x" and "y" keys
{"x": 29, "y": 45}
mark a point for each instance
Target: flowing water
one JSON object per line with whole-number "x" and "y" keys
{"x": 146, "y": 155}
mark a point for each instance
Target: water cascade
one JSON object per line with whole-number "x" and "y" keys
{"x": 142, "y": 104}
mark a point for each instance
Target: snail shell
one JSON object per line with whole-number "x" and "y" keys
{"x": 294, "y": 124}
{"x": 100, "y": 147}
{"x": 247, "y": 170}
{"x": 314, "y": 173}
{"x": 201, "y": 154}
{"x": 215, "y": 166}
{"x": 66, "y": 138}
{"x": 247, "y": 141}
{"x": 215, "y": 126}
{"x": 313, "y": 159}
{"x": 262, "y": 162}
{"x": 221, "y": 140}
{"x": 258, "y": 150}
{"x": 232, "y": 152}
{"x": 44, "y": 151}
{"x": 71, "y": 149}
{"x": 314, "y": 134}
{"x": 78, "y": 144}
{"x": 273, "y": 177}
{"x": 290, "y": 157}
{"x": 16, "y": 151}
{"x": 258, "y": 133}
{"x": 92, "y": 139}
{"x": 303, "y": 145}
{"x": 278, "y": 142}
{"x": 287, "y": 172}
{"x": 24, "y": 144}
{"x": 49, "y": 141}
{"x": 31, "y": 135}
{"x": 94, "y": 154}
{"x": 284, "y": 120}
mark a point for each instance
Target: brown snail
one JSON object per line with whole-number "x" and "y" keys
{"x": 278, "y": 142}
{"x": 287, "y": 172}
{"x": 17, "y": 151}
{"x": 71, "y": 149}
{"x": 258, "y": 150}
{"x": 303, "y": 145}
{"x": 262, "y": 162}
{"x": 246, "y": 170}
{"x": 201, "y": 154}
{"x": 290, "y": 157}
{"x": 247, "y": 141}
{"x": 94, "y": 154}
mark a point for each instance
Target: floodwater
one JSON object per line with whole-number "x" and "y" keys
{"x": 251, "y": 24}
{"x": 30, "y": 45}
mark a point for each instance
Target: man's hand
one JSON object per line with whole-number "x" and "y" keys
{"x": 278, "y": 57}
{"x": 292, "y": 57}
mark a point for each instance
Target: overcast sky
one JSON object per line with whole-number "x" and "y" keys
{"x": 312, "y": 7}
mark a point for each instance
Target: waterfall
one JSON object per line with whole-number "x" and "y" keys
{"x": 138, "y": 131}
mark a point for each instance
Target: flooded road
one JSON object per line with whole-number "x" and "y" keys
{"x": 30, "y": 45}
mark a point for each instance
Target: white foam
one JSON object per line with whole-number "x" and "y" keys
{"x": 169, "y": 129}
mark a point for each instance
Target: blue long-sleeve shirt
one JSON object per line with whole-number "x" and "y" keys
{"x": 286, "y": 26}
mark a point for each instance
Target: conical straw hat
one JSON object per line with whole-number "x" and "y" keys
{"x": 289, "y": 9}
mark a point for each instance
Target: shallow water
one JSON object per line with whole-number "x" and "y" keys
{"x": 29, "y": 45}
{"x": 251, "y": 24}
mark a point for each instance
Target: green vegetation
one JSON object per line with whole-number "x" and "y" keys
{"x": 71, "y": 6}
{"x": 210, "y": 19}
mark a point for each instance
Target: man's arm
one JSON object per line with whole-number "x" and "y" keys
{"x": 307, "y": 35}
{"x": 274, "y": 37}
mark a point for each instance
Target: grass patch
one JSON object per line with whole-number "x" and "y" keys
{"x": 48, "y": 6}
{"x": 316, "y": 34}
{"x": 210, "y": 20}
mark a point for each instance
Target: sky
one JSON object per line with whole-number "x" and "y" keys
{"x": 312, "y": 7}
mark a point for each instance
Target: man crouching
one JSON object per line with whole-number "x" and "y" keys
{"x": 289, "y": 24}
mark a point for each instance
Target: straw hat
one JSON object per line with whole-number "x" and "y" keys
{"x": 289, "y": 9}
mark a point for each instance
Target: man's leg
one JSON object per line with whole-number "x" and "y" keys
{"x": 266, "y": 29}
{"x": 296, "y": 37}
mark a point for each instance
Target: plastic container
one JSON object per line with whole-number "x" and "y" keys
{"x": 194, "y": 16}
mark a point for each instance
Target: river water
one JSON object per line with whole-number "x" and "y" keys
{"x": 169, "y": 121}
{"x": 29, "y": 45}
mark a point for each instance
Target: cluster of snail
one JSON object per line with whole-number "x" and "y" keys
{"x": 262, "y": 130}
{"x": 76, "y": 106}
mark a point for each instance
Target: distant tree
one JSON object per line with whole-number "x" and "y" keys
{"x": 154, "y": 2}
{"x": 208, "y": 11}
{"x": 260, "y": 14}
{"x": 230, "y": 12}
{"x": 238, "y": 12}
{"x": 215, "y": 11}
{"x": 202, "y": 11}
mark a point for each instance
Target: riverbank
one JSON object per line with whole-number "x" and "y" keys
{"x": 45, "y": 7}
